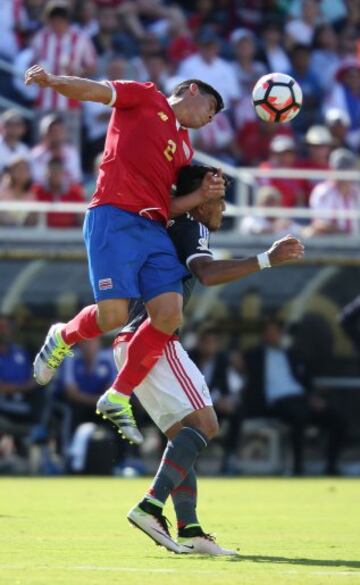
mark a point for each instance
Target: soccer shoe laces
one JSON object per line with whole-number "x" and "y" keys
{"x": 57, "y": 356}
{"x": 164, "y": 523}
{"x": 125, "y": 414}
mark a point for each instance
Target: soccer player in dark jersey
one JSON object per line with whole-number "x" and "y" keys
{"x": 129, "y": 252}
{"x": 175, "y": 393}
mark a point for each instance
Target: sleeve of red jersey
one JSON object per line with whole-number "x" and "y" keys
{"x": 129, "y": 94}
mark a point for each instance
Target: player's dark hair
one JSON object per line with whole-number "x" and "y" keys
{"x": 204, "y": 88}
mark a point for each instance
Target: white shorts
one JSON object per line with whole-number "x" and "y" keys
{"x": 174, "y": 388}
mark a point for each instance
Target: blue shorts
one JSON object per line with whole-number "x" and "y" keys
{"x": 129, "y": 256}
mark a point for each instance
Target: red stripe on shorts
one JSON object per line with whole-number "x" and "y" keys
{"x": 178, "y": 377}
{"x": 186, "y": 375}
{"x": 189, "y": 389}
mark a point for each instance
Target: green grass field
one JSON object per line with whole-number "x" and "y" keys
{"x": 73, "y": 532}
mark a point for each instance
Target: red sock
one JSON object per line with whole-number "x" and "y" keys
{"x": 143, "y": 351}
{"x": 83, "y": 326}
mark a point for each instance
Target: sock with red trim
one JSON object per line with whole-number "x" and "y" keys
{"x": 177, "y": 460}
{"x": 143, "y": 351}
{"x": 184, "y": 498}
{"x": 82, "y": 326}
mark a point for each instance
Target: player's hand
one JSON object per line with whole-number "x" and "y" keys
{"x": 213, "y": 186}
{"x": 37, "y": 74}
{"x": 288, "y": 249}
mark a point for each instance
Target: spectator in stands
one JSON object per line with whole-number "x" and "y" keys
{"x": 104, "y": 38}
{"x": 214, "y": 365}
{"x": 201, "y": 15}
{"x": 246, "y": 68}
{"x": 318, "y": 142}
{"x": 312, "y": 92}
{"x": 253, "y": 135}
{"x": 247, "y": 71}
{"x": 111, "y": 38}
{"x": 208, "y": 66}
{"x": 302, "y": 29}
{"x": 87, "y": 15}
{"x": 336, "y": 195}
{"x": 15, "y": 186}
{"x": 53, "y": 134}
{"x": 62, "y": 48}
{"x": 218, "y": 139}
{"x": 333, "y": 11}
{"x": 283, "y": 156}
{"x": 278, "y": 385}
{"x": 268, "y": 196}
{"x": 181, "y": 42}
{"x": 20, "y": 397}
{"x": 90, "y": 184}
{"x": 272, "y": 52}
{"x": 96, "y": 115}
{"x": 324, "y": 59}
{"x": 57, "y": 189}
{"x": 158, "y": 70}
{"x": 338, "y": 123}
{"x": 86, "y": 377}
{"x": 345, "y": 95}
{"x": 13, "y": 129}
{"x": 149, "y": 45}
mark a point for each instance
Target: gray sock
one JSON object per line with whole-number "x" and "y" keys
{"x": 184, "y": 498}
{"x": 177, "y": 460}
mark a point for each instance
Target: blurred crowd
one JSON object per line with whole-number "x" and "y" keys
{"x": 54, "y": 429}
{"x": 53, "y": 155}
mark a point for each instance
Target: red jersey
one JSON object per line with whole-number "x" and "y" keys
{"x": 61, "y": 220}
{"x": 144, "y": 150}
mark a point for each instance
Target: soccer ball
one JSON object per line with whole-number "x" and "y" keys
{"x": 277, "y": 97}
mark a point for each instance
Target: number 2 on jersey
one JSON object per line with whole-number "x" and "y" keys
{"x": 170, "y": 150}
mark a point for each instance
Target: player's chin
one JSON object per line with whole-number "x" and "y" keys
{"x": 197, "y": 123}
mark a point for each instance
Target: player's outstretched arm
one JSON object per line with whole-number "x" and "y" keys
{"x": 212, "y": 187}
{"x": 76, "y": 88}
{"x": 211, "y": 272}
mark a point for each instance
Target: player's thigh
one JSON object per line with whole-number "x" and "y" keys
{"x": 162, "y": 271}
{"x": 165, "y": 311}
{"x": 116, "y": 252}
{"x": 173, "y": 389}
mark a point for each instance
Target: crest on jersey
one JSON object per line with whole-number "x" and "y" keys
{"x": 186, "y": 149}
{"x": 105, "y": 283}
{"x": 163, "y": 116}
{"x": 203, "y": 244}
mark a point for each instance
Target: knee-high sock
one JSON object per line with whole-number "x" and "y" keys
{"x": 82, "y": 326}
{"x": 143, "y": 351}
{"x": 184, "y": 498}
{"x": 178, "y": 458}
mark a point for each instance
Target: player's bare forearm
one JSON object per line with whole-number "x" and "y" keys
{"x": 77, "y": 88}
{"x": 211, "y": 272}
{"x": 184, "y": 203}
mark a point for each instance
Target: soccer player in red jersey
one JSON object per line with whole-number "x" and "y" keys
{"x": 130, "y": 254}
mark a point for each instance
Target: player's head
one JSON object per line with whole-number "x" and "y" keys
{"x": 209, "y": 213}
{"x": 195, "y": 103}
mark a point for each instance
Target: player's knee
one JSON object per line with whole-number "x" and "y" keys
{"x": 209, "y": 428}
{"x": 212, "y": 429}
{"x": 111, "y": 318}
{"x": 167, "y": 319}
